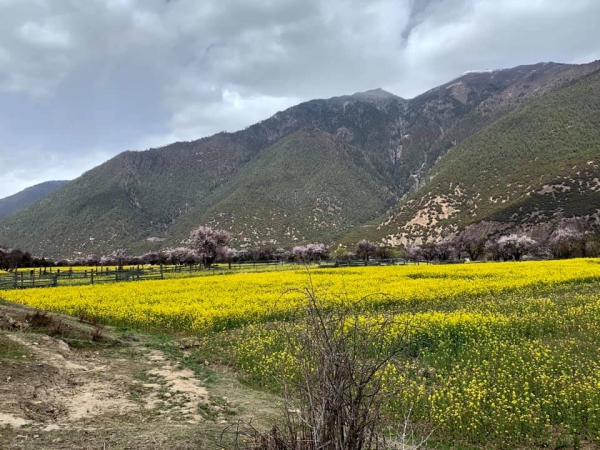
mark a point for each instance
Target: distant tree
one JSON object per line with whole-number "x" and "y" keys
{"x": 27, "y": 260}
{"x": 317, "y": 252}
{"x": 14, "y": 258}
{"x": 492, "y": 250}
{"x": 566, "y": 243}
{"x": 591, "y": 247}
{"x": 182, "y": 255}
{"x": 106, "y": 261}
{"x": 3, "y": 259}
{"x": 385, "y": 251}
{"x": 163, "y": 258}
{"x": 150, "y": 258}
{"x": 93, "y": 260}
{"x": 227, "y": 254}
{"x": 207, "y": 243}
{"x": 79, "y": 261}
{"x": 281, "y": 254}
{"x": 338, "y": 252}
{"x": 120, "y": 256}
{"x": 346, "y": 256}
{"x": 299, "y": 252}
{"x": 515, "y": 246}
{"x": 342, "y": 254}
{"x": 42, "y": 262}
{"x": 415, "y": 252}
{"x": 428, "y": 252}
{"x": 243, "y": 255}
{"x": 365, "y": 249}
{"x": 473, "y": 247}
{"x": 263, "y": 253}
{"x": 444, "y": 250}
{"x": 135, "y": 260}
{"x": 311, "y": 252}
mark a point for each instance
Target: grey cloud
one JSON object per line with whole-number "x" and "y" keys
{"x": 78, "y": 76}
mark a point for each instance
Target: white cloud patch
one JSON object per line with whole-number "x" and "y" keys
{"x": 228, "y": 111}
{"x": 24, "y": 167}
{"x": 45, "y": 35}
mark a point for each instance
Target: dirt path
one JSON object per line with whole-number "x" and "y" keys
{"x": 66, "y": 392}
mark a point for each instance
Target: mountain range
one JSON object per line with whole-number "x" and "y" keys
{"x": 493, "y": 150}
{"x": 13, "y": 203}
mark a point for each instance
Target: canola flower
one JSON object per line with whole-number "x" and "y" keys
{"x": 229, "y": 301}
{"x": 503, "y": 355}
{"x": 510, "y": 371}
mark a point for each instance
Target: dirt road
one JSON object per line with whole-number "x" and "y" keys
{"x": 61, "y": 390}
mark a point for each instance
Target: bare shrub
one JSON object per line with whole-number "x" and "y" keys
{"x": 39, "y": 319}
{"x": 58, "y": 328}
{"x": 97, "y": 333}
{"x": 335, "y": 396}
{"x": 88, "y": 318}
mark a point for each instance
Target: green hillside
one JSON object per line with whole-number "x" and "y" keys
{"x": 126, "y": 202}
{"x": 13, "y": 203}
{"x": 538, "y": 164}
{"x": 328, "y": 170}
{"x": 308, "y": 184}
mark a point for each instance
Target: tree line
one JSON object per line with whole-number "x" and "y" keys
{"x": 207, "y": 246}
{"x": 11, "y": 258}
{"x": 560, "y": 243}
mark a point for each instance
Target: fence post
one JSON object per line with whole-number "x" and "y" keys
{"x": 92, "y": 277}
{"x": 16, "y": 281}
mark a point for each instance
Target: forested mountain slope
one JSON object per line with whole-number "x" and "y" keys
{"x": 537, "y": 165}
{"x": 13, "y": 203}
{"x": 313, "y": 172}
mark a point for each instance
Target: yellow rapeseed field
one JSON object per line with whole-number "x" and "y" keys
{"x": 519, "y": 368}
{"x": 221, "y": 302}
{"x": 501, "y": 355}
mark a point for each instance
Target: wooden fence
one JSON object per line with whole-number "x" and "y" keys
{"x": 22, "y": 280}
{"x": 67, "y": 276}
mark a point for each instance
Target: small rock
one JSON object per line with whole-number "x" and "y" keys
{"x": 63, "y": 347}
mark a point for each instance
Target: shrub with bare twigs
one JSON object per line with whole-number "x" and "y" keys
{"x": 334, "y": 398}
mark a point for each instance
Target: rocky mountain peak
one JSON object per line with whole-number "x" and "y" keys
{"x": 380, "y": 98}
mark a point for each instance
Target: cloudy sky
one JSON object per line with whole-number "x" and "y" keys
{"x": 83, "y": 80}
